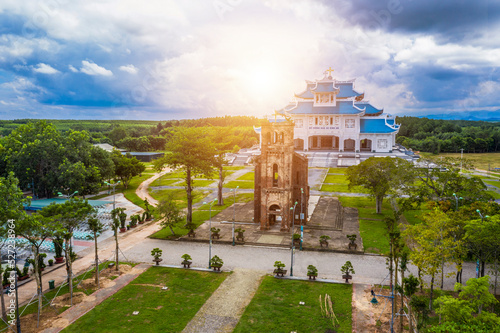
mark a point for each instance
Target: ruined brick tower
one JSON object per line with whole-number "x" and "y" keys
{"x": 280, "y": 178}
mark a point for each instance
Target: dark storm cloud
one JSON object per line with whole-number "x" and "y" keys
{"x": 454, "y": 18}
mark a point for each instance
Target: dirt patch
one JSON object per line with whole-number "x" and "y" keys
{"x": 65, "y": 300}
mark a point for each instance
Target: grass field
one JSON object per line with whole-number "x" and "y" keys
{"x": 275, "y": 307}
{"x": 481, "y": 161}
{"x": 494, "y": 194}
{"x": 159, "y": 310}
{"x": 241, "y": 183}
{"x": 247, "y": 176}
{"x": 179, "y": 196}
{"x": 337, "y": 170}
{"x": 373, "y": 231}
{"x": 343, "y": 188}
{"x": 336, "y": 179}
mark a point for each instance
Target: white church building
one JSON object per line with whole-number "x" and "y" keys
{"x": 331, "y": 115}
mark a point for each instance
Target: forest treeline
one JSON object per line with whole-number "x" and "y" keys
{"x": 438, "y": 136}
{"x": 142, "y": 135}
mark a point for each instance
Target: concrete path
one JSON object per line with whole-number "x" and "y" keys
{"x": 69, "y": 316}
{"x": 142, "y": 189}
{"x": 222, "y": 311}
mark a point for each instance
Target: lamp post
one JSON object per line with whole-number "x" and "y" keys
{"x": 114, "y": 186}
{"x": 234, "y": 211}
{"x": 456, "y": 200}
{"x": 293, "y": 247}
{"x": 59, "y": 194}
{"x": 461, "y": 158}
{"x": 482, "y": 220}
{"x": 210, "y": 233}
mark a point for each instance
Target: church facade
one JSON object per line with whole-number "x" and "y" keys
{"x": 331, "y": 115}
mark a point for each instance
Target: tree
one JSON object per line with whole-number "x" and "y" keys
{"x": 11, "y": 209}
{"x": 71, "y": 215}
{"x": 168, "y": 213}
{"x": 192, "y": 151}
{"x": 126, "y": 167}
{"x": 481, "y": 238}
{"x": 432, "y": 244}
{"x": 438, "y": 179}
{"x": 410, "y": 285}
{"x": 223, "y": 144}
{"x": 118, "y": 133}
{"x": 115, "y": 225}
{"x": 380, "y": 176}
{"x": 36, "y": 228}
{"x": 95, "y": 226}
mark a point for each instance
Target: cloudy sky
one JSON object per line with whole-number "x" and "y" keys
{"x": 160, "y": 59}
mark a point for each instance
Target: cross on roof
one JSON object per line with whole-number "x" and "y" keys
{"x": 329, "y": 70}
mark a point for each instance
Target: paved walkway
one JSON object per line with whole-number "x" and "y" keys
{"x": 222, "y": 311}
{"x": 75, "y": 312}
{"x": 142, "y": 189}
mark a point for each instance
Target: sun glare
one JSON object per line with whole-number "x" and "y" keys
{"x": 261, "y": 81}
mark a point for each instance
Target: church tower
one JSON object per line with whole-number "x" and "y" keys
{"x": 281, "y": 178}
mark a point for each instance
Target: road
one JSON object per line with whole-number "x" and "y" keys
{"x": 369, "y": 269}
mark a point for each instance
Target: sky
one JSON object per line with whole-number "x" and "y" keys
{"x": 161, "y": 59}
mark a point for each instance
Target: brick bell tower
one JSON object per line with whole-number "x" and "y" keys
{"x": 281, "y": 178}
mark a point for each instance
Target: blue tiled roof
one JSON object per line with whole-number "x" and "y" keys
{"x": 324, "y": 87}
{"x": 346, "y": 90}
{"x": 342, "y": 107}
{"x": 277, "y": 120}
{"x": 306, "y": 93}
{"x": 370, "y": 109}
{"x": 375, "y": 126}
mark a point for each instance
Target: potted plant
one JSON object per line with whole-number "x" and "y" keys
{"x": 51, "y": 262}
{"x": 156, "y": 253}
{"x": 323, "y": 240}
{"x": 216, "y": 263}
{"x": 240, "y": 235}
{"x": 347, "y": 270}
{"x": 191, "y": 227}
{"x": 140, "y": 218}
{"x": 296, "y": 239}
{"x": 133, "y": 220}
{"x": 352, "y": 241}
{"x": 147, "y": 212}
{"x": 58, "y": 248}
{"x": 22, "y": 275}
{"x": 41, "y": 262}
{"x": 6, "y": 275}
{"x": 187, "y": 260}
{"x": 123, "y": 218}
{"x": 279, "y": 271}
{"x": 312, "y": 272}
{"x": 215, "y": 232}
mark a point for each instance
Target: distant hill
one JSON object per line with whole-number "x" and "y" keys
{"x": 466, "y": 115}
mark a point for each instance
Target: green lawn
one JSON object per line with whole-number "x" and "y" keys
{"x": 179, "y": 195}
{"x": 493, "y": 183}
{"x": 168, "y": 182}
{"x": 159, "y": 310}
{"x": 247, "y": 176}
{"x": 201, "y": 215}
{"x": 202, "y": 182}
{"x": 343, "y": 188}
{"x": 337, "y": 170}
{"x": 481, "y": 161}
{"x": 373, "y": 232}
{"x": 241, "y": 183}
{"x": 494, "y": 194}
{"x": 275, "y": 307}
{"x": 233, "y": 167}
{"x": 336, "y": 179}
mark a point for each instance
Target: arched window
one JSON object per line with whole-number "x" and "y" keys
{"x": 282, "y": 137}
{"x": 268, "y": 138}
{"x": 275, "y": 175}
{"x": 275, "y": 137}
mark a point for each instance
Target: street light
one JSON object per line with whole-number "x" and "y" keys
{"x": 114, "y": 186}
{"x": 482, "y": 220}
{"x": 293, "y": 247}
{"x": 234, "y": 211}
{"x": 456, "y": 200}
{"x": 59, "y": 194}
{"x": 210, "y": 233}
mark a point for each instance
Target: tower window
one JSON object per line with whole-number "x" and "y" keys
{"x": 275, "y": 175}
